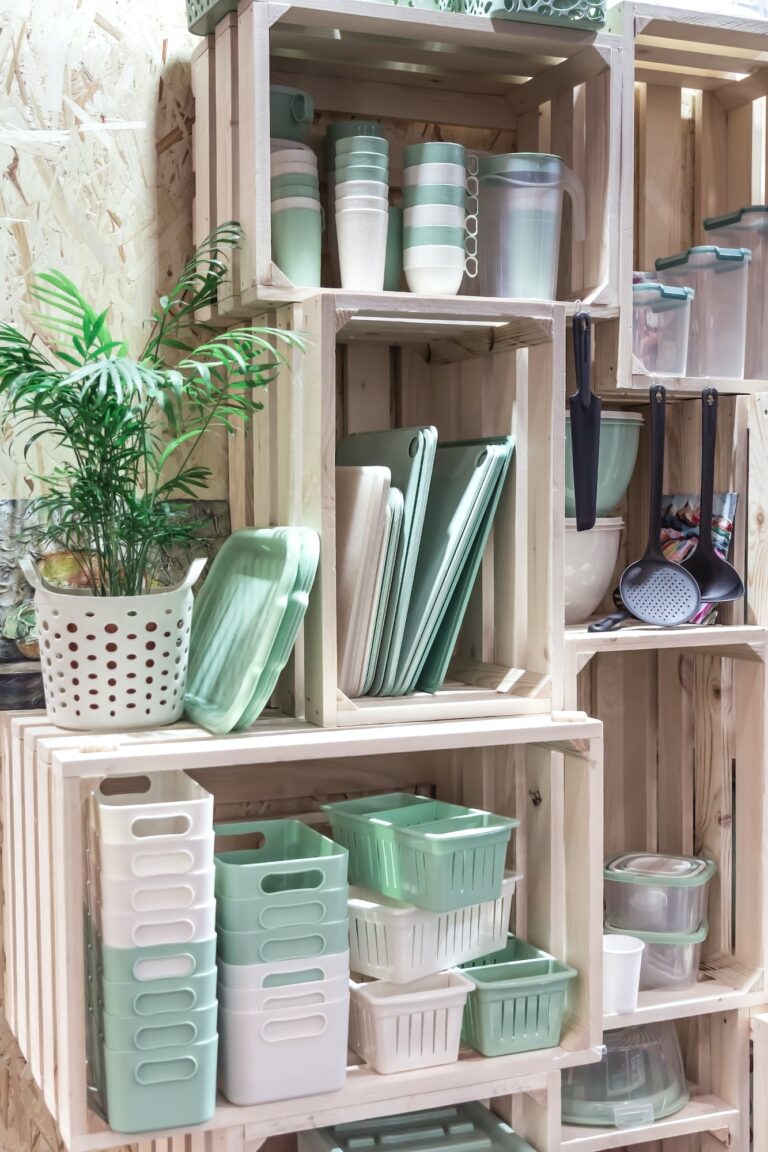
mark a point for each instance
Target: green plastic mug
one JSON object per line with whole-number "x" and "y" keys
{"x": 356, "y": 159}
{"x": 297, "y": 244}
{"x": 393, "y": 267}
{"x": 290, "y": 112}
{"x": 348, "y": 145}
{"x": 413, "y": 237}
{"x": 290, "y": 190}
{"x": 434, "y": 194}
{"x": 434, "y": 152}
{"x": 363, "y": 172}
{"x": 341, "y": 129}
{"x": 295, "y": 180}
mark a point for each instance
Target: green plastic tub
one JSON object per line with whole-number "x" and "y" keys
{"x": 514, "y": 949}
{"x": 166, "y": 1088}
{"x": 166, "y": 1030}
{"x": 516, "y": 1006}
{"x": 270, "y": 858}
{"x": 425, "y": 852}
{"x": 289, "y": 909}
{"x": 291, "y": 943}
{"x": 158, "y": 962}
{"x": 156, "y": 997}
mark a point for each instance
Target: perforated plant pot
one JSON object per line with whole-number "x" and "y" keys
{"x": 113, "y": 661}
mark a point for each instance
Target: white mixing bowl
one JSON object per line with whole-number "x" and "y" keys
{"x": 590, "y": 560}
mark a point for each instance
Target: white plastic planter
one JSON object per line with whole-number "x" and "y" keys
{"x": 401, "y": 943}
{"x": 285, "y": 1053}
{"x": 113, "y": 662}
{"x": 399, "y": 1027}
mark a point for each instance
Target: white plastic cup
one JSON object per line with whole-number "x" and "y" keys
{"x": 346, "y": 188}
{"x": 434, "y": 269}
{"x": 284, "y": 168}
{"x": 435, "y": 216}
{"x": 344, "y": 203}
{"x": 435, "y": 174}
{"x": 284, "y": 155}
{"x": 278, "y": 145}
{"x": 622, "y": 958}
{"x": 361, "y": 235}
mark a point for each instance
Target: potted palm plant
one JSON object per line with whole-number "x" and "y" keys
{"x": 124, "y": 429}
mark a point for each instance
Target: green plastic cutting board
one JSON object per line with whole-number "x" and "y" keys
{"x": 235, "y": 623}
{"x": 392, "y": 540}
{"x": 409, "y": 454}
{"x": 293, "y": 617}
{"x": 435, "y": 669}
{"x": 462, "y": 479}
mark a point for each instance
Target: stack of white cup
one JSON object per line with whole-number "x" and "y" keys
{"x": 362, "y": 210}
{"x": 297, "y": 222}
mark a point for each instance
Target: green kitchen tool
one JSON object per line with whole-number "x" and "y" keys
{"x": 393, "y": 530}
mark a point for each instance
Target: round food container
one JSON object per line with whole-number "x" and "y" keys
{"x": 654, "y": 892}
{"x": 619, "y": 440}
{"x": 590, "y": 562}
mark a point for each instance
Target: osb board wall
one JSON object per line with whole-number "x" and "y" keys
{"x": 95, "y": 163}
{"x": 95, "y": 179}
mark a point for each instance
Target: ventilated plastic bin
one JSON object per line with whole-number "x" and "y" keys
{"x": 655, "y": 892}
{"x": 284, "y": 1053}
{"x": 425, "y": 852}
{"x": 661, "y": 318}
{"x": 157, "y": 997}
{"x": 167, "y": 1088}
{"x": 284, "y": 972}
{"x": 748, "y": 228}
{"x": 717, "y": 336}
{"x": 301, "y": 942}
{"x": 670, "y": 959}
{"x": 204, "y": 15}
{"x": 124, "y": 1033}
{"x": 269, "y": 859}
{"x": 398, "y": 1027}
{"x": 516, "y": 1006}
{"x": 400, "y": 942}
{"x": 161, "y": 962}
{"x": 288, "y": 909}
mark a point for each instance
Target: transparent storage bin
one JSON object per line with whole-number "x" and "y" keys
{"x": 517, "y": 1005}
{"x": 661, "y": 317}
{"x": 289, "y": 943}
{"x": 271, "y": 858}
{"x": 425, "y": 852}
{"x": 718, "y": 328}
{"x": 748, "y": 228}
{"x": 400, "y": 942}
{"x": 399, "y": 1027}
{"x": 639, "y": 1080}
{"x": 284, "y": 1053}
{"x": 655, "y": 892}
{"x": 284, "y": 972}
{"x": 151, "y": 806}
{"x": 670, "y": 960}
{"x": 166, "y": 1088}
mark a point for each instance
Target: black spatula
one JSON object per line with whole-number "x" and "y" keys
{"x": 718, "y": 580}
{"x": 585, "y": 428}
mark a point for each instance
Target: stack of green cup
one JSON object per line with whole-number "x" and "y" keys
{"x": 297, "y": 222}
{"x": 436, "y": 225}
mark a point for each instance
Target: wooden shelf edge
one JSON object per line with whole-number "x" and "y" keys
{"x": 714, "y": 995}
{"x": 701, "y": 1114}
{"x": 579, "y": 640}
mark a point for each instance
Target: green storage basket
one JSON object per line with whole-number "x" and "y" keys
{"x": 204, "y": 15}
{"x": 291, "y": 943}
{"x": 563, "y": 13}
{"x": 275, "y": 858}
{"x": 158, "y": 962}
{"x": 166, "y": 1030}
{"x": 155, "y": 997}
{"x": 290, "y": 909}
{"x": 514, "y": 949}
{"x": 425, "y": 852}
{"x": 166, "y": 1088}
{"x": 516, "y": 1006}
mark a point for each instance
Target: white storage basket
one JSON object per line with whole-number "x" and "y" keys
{"x": 163, "y": 857}
{"x": 402, "y": 943}
{"x": 151, "y": 893}
{"x": 151, "y": 808}
{"x": 113, "y": 662}
{"x": 277, "y": 998}
{"x": 282, "y": 973}
{"x": 283, "y": 1054}
{"x": 398, "y": 1027}
{"x": 147, "y": 929}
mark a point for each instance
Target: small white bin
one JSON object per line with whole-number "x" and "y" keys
{"x": 276, "y": 998}
{"x": 282, "y": 1054}
{"x": 281, "y": 973}
{"x": 153, "y": 893}
{"x": 718, "y": 330}
{"x": 401, "y": 943}
{"x": 146, "y": 929}
{"x": 661, "y": 317}
{"x": 148, "y": 807}
{"x": 748, "y": 228}
{"x": 167, "y": 856}
{"x": 398, "y": 1027}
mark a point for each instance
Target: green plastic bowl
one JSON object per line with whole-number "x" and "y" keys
{"x": 619, "y": 440}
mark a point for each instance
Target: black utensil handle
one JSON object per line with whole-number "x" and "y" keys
{"x": 709, "y": 404}
{"x": 582, "y": 355}
{"x": 658, "y": 396}
{"x": 608, "y": 623}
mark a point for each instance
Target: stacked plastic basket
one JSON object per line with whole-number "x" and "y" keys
{"x": 283, "y": 929}
{"x": 151, "y": 952}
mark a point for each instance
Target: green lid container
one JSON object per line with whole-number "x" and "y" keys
{"x": 273, "y": 857}
{"x": 166, "y": 1088}
{"x": 517, "y": 1005}
{"x": 425, "y": 852}
{"x": 291, "y": 943}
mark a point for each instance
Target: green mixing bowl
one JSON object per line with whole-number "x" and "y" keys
{"x": 619, "y": 440}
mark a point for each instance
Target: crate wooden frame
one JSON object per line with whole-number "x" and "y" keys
{"x": 570, "y": 79}
{"x": 47, "y": 774}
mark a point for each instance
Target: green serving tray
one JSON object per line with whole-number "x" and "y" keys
{"x": 235, "y": 623}
{"x": 425, "y": 852}
{"x": 394, "y": 532}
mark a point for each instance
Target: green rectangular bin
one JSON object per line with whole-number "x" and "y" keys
{"x": 288, "y": 909}
{"x": 516, "y": 1006}
{"x": 158, "y": 962}
{"x": 271, "y": 858}
{"x": 290, "y": 943}
{"x": 154, "y": 997}
{"x": 165, "y": 1030}
{"x": 425, "y": 852}
{"x": 165, "y": 1088}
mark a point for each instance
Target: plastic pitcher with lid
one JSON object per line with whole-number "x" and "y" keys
{"x": 520, "y": 211}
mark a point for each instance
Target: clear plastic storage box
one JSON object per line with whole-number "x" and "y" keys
{"x": 670, "y": 959}
{"x": 748, "y": 228}
{"x": 661, "y": 317}
{"x": 655, "y": 892}
{"x": 718, "y": 329}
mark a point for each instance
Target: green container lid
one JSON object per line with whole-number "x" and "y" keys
{"x": 537, "y": 164}
{"x": 758, "y": 212}
{"x": 657, "y": 869}
{"x": 697, "y": 937}
{"x": 668, "y": 292}
{"x": 704, "y": 255}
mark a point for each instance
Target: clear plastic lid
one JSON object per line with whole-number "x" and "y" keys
{"x": 674, "y": 938}
{"x": 751, "y": 216}
{"x": 659, "y": 868}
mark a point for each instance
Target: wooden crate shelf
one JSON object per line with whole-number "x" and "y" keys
{"x": 496, "y": 86}
{"x": 547, "y": 773}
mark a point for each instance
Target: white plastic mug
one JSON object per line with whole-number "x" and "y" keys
{"x": 622, "y": 957}
{"x": 302, "y": 154}
{"x": 347, "y": 188}
{"x": 278, "y": 145}
{"x": 379, "y": 202}
{"x": 296, "y": 202}
{"x": 361, "y": 235}
{"x": 434, "y": 174}
{"x": 280, "y": 169}
{"x": 435, "y": 216}
{"x": 434, "y": 269}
